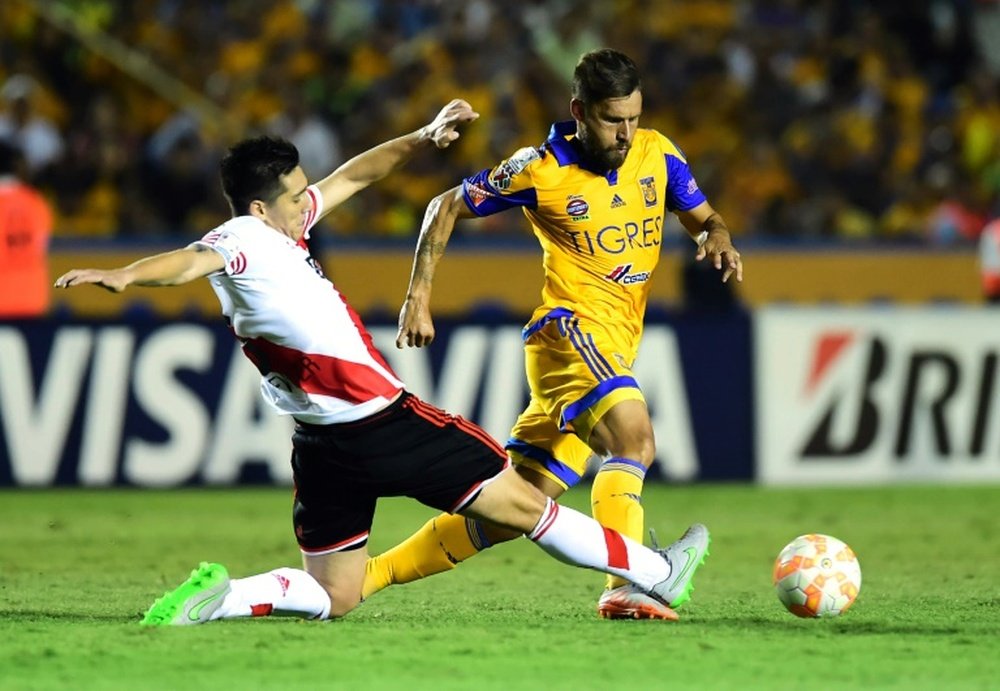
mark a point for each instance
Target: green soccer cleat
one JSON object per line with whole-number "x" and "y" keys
{"x": 684, "y": 557}
{"x": 192, "y": 602}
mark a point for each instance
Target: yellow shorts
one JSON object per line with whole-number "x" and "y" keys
{"x": 576, "y": 371}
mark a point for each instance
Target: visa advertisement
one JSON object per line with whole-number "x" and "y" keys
{"x": 154, "y": 403}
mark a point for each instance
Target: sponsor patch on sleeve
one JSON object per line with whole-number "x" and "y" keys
{"x": 502, "y": 175}
{"x": 477, "y": 193}
{"x": 228, "y": 245}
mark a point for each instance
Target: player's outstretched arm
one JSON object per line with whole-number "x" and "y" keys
{"x": 166, "y": 269}
{"x": 415, "y": 325}
{"x": 377, "y": 162}
{"x": 706, "y": 227}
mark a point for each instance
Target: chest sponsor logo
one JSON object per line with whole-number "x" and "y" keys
{"x": 648, "y": 187}
{"x": 621, "y": 274}
{"x": 577, "y": 209}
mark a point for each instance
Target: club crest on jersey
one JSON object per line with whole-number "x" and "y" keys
{"x": 620, "y": 274}
{"x": 648, "y": 187}
{"x": 577, "y": 208}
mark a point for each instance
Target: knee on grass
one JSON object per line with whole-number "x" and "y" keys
{"x": 342, "y": 600}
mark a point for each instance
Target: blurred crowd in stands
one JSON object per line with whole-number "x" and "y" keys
{"x": 802, "y": 119}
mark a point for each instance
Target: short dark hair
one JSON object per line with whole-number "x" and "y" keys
{"x": 252, "y": 169}
{"x": 604, "y": 73}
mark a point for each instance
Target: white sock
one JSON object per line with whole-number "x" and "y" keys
{"x": 574, "y": 538}
{"x": 288, "y": 592}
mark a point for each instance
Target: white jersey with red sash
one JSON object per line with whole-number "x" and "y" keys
{"x": 317, "y": 361}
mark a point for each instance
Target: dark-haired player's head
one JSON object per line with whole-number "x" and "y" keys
{"x": 261, "y": 177}
{"x": 252, "y": 170}
{"x": 606, "y": 104}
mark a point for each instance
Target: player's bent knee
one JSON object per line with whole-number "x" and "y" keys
{"x": 526, "y": 505}
{"x": 647, "y": 451}
{"x": 509, "y": 502}
{"x": 342, "y": 601}
{"x": 637, "y": 447}
{"x": 341, "y": 575}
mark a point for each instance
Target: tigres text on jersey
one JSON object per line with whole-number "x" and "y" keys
{"x": 600, "y": 231}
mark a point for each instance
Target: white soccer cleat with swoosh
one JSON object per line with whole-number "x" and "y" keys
{"x": 192, "y": 602}
{"x": 631, "y": 602}
{"x": 684, "y": 557}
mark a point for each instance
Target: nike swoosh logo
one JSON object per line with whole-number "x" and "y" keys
{"x": 195, "y": 612}
{"x": 691, "y": 553}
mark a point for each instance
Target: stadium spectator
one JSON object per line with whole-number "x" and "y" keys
{"x": 853, "y": 97}
{"x": 359, "y": 435}
{"x": 989, "y": 261}
{"x": 26, "y": 128}
{"x": 25, "y": 227}
{"x": 595, "y": 194}
{"x": 312, "y": 136}
{"x": 178, "y": 184}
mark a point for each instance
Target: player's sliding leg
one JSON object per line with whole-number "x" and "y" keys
{"x": 439, "y": 545}
{"x": 447, "y": 540}
{"x": 210, "y": 594}
{"x": 444, "y": 542}
{"x": 574, "y": 538}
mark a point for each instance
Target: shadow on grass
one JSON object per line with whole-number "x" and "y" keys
{"x": 28, "y": 616}
{"x": 844, "y": 627}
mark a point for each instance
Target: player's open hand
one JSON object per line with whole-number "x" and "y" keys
{"x": 416, "y": 329}
{"x": 718, "y": 247}
{"x": 443, "y": 129}
{"x": 115, "y": 281}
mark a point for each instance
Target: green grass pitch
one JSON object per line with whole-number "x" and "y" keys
{"x": 77, "y": 568}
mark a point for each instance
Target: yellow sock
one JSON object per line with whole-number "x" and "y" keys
{"x": 616, "y": 501}
{"x": 441, "y": 544}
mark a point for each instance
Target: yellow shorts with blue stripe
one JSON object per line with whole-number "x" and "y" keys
{"x": 576, "y": 372}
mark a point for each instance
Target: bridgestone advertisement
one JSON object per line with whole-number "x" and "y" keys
{"x": 877, "y": 395}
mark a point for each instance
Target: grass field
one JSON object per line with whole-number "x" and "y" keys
{"x": 77, "y": 568}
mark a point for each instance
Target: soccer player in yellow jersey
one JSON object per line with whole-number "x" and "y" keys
{"x": 596, "y": 193}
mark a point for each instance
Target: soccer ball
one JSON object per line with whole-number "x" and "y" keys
{"x": 817, "y": 576}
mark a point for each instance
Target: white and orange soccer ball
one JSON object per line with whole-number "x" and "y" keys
{"x": 817, "y": 576}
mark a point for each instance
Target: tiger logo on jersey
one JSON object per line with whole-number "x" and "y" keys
{"x": 648, "y": 187}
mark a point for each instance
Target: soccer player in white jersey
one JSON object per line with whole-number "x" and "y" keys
{"x": 359, "y": 435}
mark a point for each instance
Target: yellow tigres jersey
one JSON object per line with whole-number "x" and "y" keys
{"x": 600, "y": 232}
